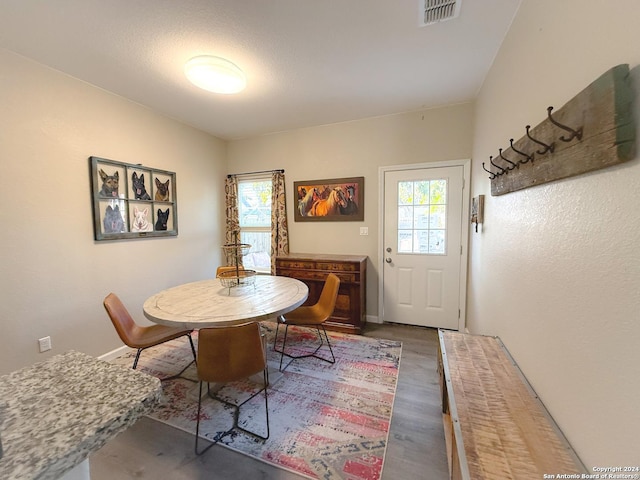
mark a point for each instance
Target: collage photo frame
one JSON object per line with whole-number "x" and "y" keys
{"x": 132, "y": 201}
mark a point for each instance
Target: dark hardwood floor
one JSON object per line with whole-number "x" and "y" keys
{"x": 416, "y": 448}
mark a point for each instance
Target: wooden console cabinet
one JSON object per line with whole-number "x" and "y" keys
{"x": 495, "y": 425}
{"x": 349, "y": 315}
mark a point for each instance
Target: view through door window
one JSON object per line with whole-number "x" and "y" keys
{"x": 254, "y": 210}
{"x": 422, "y": 216}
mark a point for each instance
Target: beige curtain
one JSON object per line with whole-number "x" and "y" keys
{"x": 231, "y": 206}
{"x": 279, "y": 228}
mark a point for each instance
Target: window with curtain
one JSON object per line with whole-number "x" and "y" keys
{"x": 254, "y": 215}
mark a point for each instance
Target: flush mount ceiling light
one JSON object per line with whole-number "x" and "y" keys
{"x": 215, "y": 74}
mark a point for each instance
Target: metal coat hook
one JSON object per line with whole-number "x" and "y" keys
{"x": 513, "y": 165}
{"x": 522, "y": 162}
{"x": 502, "y": 170}
{"x": 492, "y": 175}
{"x": 574, "y": 133}
{"x": 547, "y": 148}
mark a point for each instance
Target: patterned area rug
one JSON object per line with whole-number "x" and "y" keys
{"x": 327, "y": 421}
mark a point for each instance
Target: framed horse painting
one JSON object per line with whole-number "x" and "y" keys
{"x": 335, "y": 200}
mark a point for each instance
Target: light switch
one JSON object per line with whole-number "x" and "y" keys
{"x": 364, "y": 230}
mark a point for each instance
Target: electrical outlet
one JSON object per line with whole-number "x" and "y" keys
{"x": 44, "y": 343}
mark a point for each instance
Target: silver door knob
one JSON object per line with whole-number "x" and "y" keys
{"x": 388, "y": 260}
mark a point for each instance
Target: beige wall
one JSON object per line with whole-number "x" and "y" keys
{"x": 54, "y": 275}
{"x": 354, "y": 149}
{"x": 556, "y": 271}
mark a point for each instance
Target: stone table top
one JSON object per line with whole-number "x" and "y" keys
{"x": 59, "y": 411}
{"x": 208, "y": 304}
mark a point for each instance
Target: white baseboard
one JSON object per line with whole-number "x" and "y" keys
{"x": 114, "y": 353}
{"x": 373, "y": 319}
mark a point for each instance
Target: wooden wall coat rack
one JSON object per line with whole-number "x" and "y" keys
{"x": 593, "y": 130}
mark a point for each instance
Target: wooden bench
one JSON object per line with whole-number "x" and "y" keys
{"x": 495, "y": 425}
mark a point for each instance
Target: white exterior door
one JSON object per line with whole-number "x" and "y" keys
{"x": 422, "y": 242}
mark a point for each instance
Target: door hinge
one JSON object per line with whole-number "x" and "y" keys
{"x": 460, "y": 249}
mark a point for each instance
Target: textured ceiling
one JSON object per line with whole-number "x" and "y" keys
{"x": 307, "y": 62}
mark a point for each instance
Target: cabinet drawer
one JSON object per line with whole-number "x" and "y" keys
{"x": 337, "y": 267}
{"x": 348, "y": 277}
{"x": 317, "y": 275}
{"x": 296, "y": 264}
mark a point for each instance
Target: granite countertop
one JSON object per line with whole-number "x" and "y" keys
{"x": 59, "y": 411}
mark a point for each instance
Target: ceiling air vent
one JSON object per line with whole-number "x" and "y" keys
{"x": 439, "y": 10}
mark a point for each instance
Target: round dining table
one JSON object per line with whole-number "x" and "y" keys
{"x": 207, "y": 303}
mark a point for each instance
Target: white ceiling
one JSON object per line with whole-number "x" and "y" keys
{"x": 307, "y": 62}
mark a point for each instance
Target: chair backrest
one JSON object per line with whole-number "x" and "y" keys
{"x": 228, "y": 269}
{"x": 227, "y": 354}
{"x": 327, "y": 301}
{"x": 121, "y": 319}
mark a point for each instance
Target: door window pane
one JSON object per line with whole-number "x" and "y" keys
{"x": 422, "y": 192}
{"x": 438, "y": 192}
{"x": 405, "y": 217}
{"x": 405, "y": 193}
{"x": 421, "y": 219}
{"x": 422, "y": 216}
{"x": 437, "y": 216}
{"x": 405, "y": 243}
{"x": 421, "y": 241}
{"x": 436, "y": 242}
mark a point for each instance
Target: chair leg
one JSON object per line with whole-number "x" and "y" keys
{"x": 275, "y": 342}
{"x": 333, "y": 358}
{"x": 236, "y": 417}
{"x": 217, "y": 437}
{"x": 284, "y": 342}
{"x": 236, "y": 414}
{"x": 177, "y": 375}
{"x": 263, "y": 337}
{"x": 193, "y": 349}
{"x": 135, "y": 362}
{"x": 275, "y": 338}
{"x": 313, "y": 354}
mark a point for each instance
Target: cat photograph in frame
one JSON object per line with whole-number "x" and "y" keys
{"x": 124, "y": 200}
{"x": 339, "y": 199}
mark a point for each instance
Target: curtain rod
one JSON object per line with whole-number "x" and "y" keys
{"x": 281, "y": 170}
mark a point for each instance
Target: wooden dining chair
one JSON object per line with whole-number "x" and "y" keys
{"x": 311, "y": 316}
{"x": 141, "y": 337}
{"x": 229, "y": 268}
{"x": 229, "y": 354}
